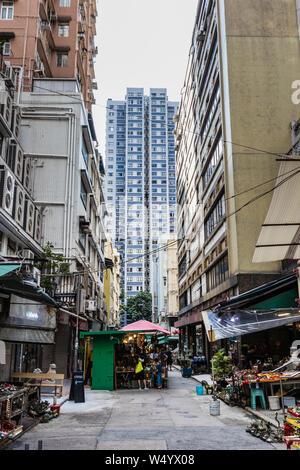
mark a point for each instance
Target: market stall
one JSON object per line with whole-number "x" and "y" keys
{"x": 116, "y": 355}
{"x": 20, "y": 410}
{"x": 259, "y": 386}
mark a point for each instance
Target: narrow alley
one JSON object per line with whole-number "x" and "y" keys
{"x": 168, "y": 419}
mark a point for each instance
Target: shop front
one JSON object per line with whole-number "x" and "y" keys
{"x": 260, "y": 330}
{"x": 27, "y": 338}
{"x": 194, "y": 347}
{"x": 135, "y": 357}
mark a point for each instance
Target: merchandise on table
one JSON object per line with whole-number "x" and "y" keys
{"x": 144, "y": 350}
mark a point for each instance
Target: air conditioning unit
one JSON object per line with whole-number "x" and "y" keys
{"x": 16, "y": 122}
{"x": 82, "y": 300}
{"x": 19, "y": 162}
{"x": 36, "y": 273}
{"x": 19, "y": 205}
{"x": 38, "y": 226}
{"x": 7, "y": 187}
{"x": 6, "y": 106}
{"x": 29, "y": 217}
{"x": 26, "y": 174}
{"x": 15, "y": 159}
{"x": 90, "y": 305}
{"x": 10, "y": 76}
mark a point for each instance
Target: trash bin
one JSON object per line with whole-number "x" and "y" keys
{"x": 274, "y": 403}
{"x": 214, "y": 407}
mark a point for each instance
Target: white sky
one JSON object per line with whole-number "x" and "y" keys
{"x": 141, "y": 43}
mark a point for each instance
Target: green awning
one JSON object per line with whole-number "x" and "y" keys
{"x": 163, "y": 340}
{"x": 7, "y": 268}
{"x": 173, "y": 338}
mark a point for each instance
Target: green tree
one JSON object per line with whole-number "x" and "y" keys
{"x": 50, "y": 264}
{"x": 139, "y": 307}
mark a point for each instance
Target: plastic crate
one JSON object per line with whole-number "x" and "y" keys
{"x": 289, "y": 401}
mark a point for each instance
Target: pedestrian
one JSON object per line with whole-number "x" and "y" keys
{"x": 159, "y": 374}
{"x": 140, "y": 374}
{"x": 169, "y": 359}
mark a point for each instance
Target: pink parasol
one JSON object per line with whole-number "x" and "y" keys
{"x": 144, "y": 325}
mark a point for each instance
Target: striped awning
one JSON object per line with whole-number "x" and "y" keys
{"x": 280, "y": 234}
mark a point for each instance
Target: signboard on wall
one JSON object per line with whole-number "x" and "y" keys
{"x": 25, "y": 312}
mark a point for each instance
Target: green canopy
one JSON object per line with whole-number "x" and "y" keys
{"x": 173, "y": 338}
{"x": 12, "y": 283}
{"x": 7, "y": 268}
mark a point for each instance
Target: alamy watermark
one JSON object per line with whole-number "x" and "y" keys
{"x": 296, "y": 93}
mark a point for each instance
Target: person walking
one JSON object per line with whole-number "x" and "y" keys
{"x": 159, "y": 374}
{"x": 169, "y": 359}
{"x": 140, "y": 374}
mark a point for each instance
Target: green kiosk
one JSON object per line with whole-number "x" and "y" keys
{"x": 104, "y": 357}
{"x": 104, "y": 350}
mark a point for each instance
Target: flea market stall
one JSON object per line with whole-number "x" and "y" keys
{"x": 117, "y": 354}
{"x": 261, "y": 367}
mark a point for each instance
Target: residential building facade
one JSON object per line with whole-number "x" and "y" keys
{"x": 21, "y": 226}
{"x": 229, "y": 130}
{"x": 140, "y": 185}
{"x": 66, "y": 184}
{"x": 51, "y": 38}
{"x": 112, "y": 284}
{"x": 172, "y": 285}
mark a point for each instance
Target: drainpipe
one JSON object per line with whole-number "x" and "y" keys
{"x": 298, "y": 15}
{"x": 298, "y": 280}
{"x": 72, "y": 185}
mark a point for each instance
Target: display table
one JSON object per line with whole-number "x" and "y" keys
{"x": 283, "y": 382}
{"x": 14, "y": 403}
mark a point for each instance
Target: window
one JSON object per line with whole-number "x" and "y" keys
{"x": 64, "y": 3}
{"x": 63, "y": 30}
{"x": 218, "y": 274}
{"x": 84, "y": 153}
{"x": 83, "y": 194}
{"x": 6, "y": 48}
{"x": 62, "y": 59}
{"x": 82, "y": 239}
{"x": 216, "y": 216}
{"x": 7, "y": 11}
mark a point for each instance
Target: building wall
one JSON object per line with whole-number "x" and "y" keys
{"x": 37, "y": 41}
{"x": 263, "y": 60}
{"x": 236, "y": 106}
{"x": 112, "y": 284}
{"x": 172, "y": 280}
{"x": 65, "y": 170}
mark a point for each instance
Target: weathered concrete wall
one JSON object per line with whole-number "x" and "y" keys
{"x": 260, "y": 51}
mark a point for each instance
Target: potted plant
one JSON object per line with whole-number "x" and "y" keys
{"x": 221, "y": 367}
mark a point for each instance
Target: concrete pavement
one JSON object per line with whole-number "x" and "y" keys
{"x": 174, "y": 419}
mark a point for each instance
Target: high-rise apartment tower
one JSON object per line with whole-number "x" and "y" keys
{"x": 140, "y": 184}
